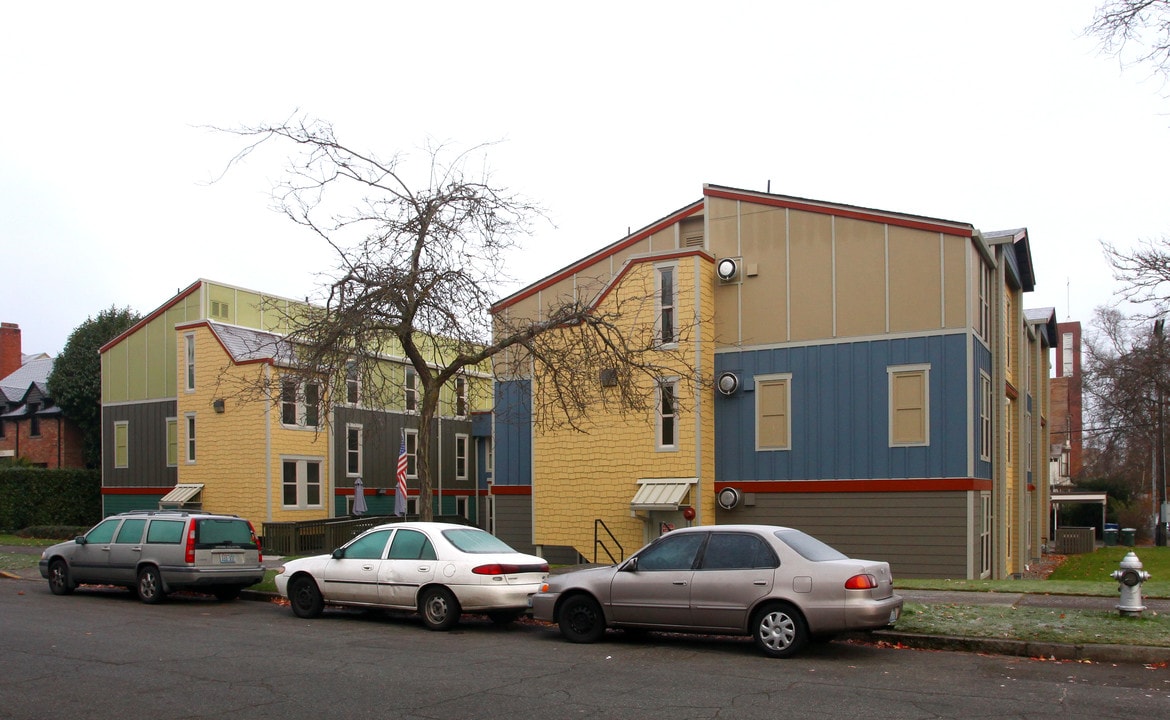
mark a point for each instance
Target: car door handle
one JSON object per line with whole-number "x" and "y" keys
{"x": 760, "y": 582}
{"x": 679, "y": 582}
{"x": 367, "y": 567}
{"x": 424, "y": 568}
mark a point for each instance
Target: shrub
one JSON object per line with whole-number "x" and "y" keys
{"x": 32, "y": 497}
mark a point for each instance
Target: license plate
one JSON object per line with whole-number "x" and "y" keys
{"x": 893, "y": 617}
{"x": 227, "y": 559}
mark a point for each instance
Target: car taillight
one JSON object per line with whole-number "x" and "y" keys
{"x": 256, "y": 542}
{"x": 505, "y": 569}
{"x": 861, "y": 582}
{"x": 190, "y": 556}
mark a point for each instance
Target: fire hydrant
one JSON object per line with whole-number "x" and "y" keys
{"x": 1131, "y": 576}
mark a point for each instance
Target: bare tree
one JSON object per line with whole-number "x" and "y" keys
{"x": 1144, "y": 273}
{"x": 420, "y": 261}
{"x": 1140, "y": 24}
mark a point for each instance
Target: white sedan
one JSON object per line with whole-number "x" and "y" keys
{"x": 437, "y": 569}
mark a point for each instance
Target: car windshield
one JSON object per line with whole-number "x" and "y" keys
{"x": 808, "y": 547}
{"x": 473, "y": 540}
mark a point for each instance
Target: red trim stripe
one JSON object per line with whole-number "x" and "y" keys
{"x": 511, "y": 490}
{"x": 136, "y": 491}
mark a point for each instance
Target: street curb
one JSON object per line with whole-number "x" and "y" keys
{"x": 1143, "y": 654}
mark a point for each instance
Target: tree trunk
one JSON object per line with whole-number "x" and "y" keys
{"x": 427, "y": 407}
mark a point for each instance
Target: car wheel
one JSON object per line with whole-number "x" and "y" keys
{"x": 150, "y": 587}
{"x": 504, "y": 618}
{"x": 581, "y": 619}
{"x": 59, "y": 581}
{"x": 305, "y": 598}
{"x": 439, "y": 608}
{"x": 779, "y": 631}
{"x": 227, "y": 593}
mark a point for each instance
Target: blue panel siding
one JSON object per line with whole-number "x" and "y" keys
{"x": 840, "y": 412}
{"x": 513, "y": 438}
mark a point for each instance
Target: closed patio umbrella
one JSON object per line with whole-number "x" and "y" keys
{"x": 359, "y": 497}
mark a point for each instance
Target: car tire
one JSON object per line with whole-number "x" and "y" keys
{"x": 150, "y": 585}
{"x": 227, "y": 593}
{"x": 581, "y": 619}
{"x": 779, "y": 631}
{"x": 59, "y": 581}
{"x": 439, "y": 608}
{"x": 504, "y": 618}
{"x": 305, "y": 598}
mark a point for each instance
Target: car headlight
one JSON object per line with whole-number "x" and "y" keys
{"x": 280, "y": 570}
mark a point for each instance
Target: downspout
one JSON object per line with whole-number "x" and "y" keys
{"x": 999, "y": 456}
{"x": 697, "y": 384}
{"x": 268, "y": 446}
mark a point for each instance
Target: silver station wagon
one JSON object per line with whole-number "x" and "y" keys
{"x": 779, "y": 585}
{"x": 154, "y": 552}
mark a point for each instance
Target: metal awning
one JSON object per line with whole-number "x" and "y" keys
{"x": 181, "y": 495}
{"x": 661, "y": 493}
{"x": 1100, "y": 498}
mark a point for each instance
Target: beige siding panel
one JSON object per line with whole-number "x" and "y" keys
{"x": 915, "y": 280}
{"x": 137, "y": 362}
{"x": 557, "y": 295}
{"x": 724, "y": 240}
{"x": 919, "y": 534}
{"x": 158, "y": 336}
{"x": 114, "y": 374}
{"x": 765, "y": 294}
{"x": 811, "y": 275}
{"x": 861, "y": 277}
{"x": 641, "y": 247}
{"x": 954, "y": 279}
{"x": 664, "y": 240}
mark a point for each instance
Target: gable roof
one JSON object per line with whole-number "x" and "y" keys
{"x": 34, "y": 373}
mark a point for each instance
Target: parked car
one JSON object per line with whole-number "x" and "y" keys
{"x": 777, "y": 584}
{"x": 436, "y": 569}
{"x": 154, "y": 552}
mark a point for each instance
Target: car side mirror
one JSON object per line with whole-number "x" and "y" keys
{"x": 631, "y": 565}
{"x": 338, "y": 553}
{"x": 80, "y": 540}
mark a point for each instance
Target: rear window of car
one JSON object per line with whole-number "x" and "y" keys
{"x": 471, "y": 540}
{"x": 808, "y": 547}
{"x": 217, "y": 532}
{"x": 165, "y": 531}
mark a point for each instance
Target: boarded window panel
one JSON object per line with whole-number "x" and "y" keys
{"x": 121, "y": 445}
{"x": 172, "y": 442}
{"x": 773, "y": 417}
{"x": 909, "y": 408}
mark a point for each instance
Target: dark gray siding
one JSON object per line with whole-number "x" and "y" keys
{"x": 919, "y": 534}
{"x": 146, "y": 445}
{"x": 514, "y": 521}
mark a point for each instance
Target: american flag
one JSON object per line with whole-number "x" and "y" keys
{"x": 400, "y": 494}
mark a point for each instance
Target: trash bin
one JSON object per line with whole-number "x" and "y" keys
{"x": 1128, "y": 535}
{"x": 1110, "y": 536}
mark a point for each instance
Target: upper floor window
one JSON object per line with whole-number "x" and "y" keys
{"x": 985, "y": 404}
{"x": 909, "y": 405}
{"x": 460, "y": 397}
{"x": 189, "y": 360}
{"x": 412, "y": 454}
{"x": 983, "y": 327}
{"x": 190, "y": 437}
{"x": 667, "y": 298}
{"x": 353, "y": 385}
{"x": 461, "y": 444}
{"x": 353, "y": 450}
{"x": 410, "y": 390}
{"x": 1066, "y": 352}
{"x": 774, "y": 412}
{"x": 300, "y": 403}
{"x": 668, "y": 414}
{"x": 34, "y": 421}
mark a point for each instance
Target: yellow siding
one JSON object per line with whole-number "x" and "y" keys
{"x": 578, "y": 478}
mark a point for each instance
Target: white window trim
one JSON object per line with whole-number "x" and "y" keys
{"x": 411, "y": 457}
{"x": 891, "y": 372}
{"x": 409, "y": 390}
{"x": 302, "y": 463}
{"x": 300, "y": 405}
{"x": 986, "y": 425}
{"x": 461, "y": 397}
{"x": 659, "y": 304}
{"x": 189, "y": 438}
{"x": 189, "y": 362}
{"x": 355, "y": 382}
{"x": 350, "y": 427}
{"x": 172, "y": 421}
{"x": 786, "y": 377}
{"x": 462, "y": 505}
{"x": 126, "y": 463}
{"x": 658, "y": 444}
{"x": 462, "y": 440}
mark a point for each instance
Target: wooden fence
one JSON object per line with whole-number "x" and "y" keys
{"x": 314, "y": 537}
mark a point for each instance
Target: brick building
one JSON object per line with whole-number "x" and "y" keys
{"x": 32, "y": 427}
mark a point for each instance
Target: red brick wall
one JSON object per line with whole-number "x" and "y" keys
{"x": 10, "y": 350}
{"x": 59, "y": 444}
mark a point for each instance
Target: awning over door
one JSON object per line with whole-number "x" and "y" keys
{"x": 180, "y": 496}
{"x": 661, "y": 493}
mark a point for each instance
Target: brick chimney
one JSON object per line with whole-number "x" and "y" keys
{"x": 10, "y": 352}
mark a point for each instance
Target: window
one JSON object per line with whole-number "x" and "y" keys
{"x": 667, "y": 300}
{"x": 353, "y": 386}
{"x": 672, "y": 552}
{"x": 462, "y": 505}
{"x": 410, "y": 390}
{"x": 131, "y": 531}
{"x": 773, "y": 412}
{"x": 985, "y": 405}
{"x": 122, "y": 444}
{"x": 909, "y": 405}
{"x": 461, "y": 443}
{"x": 166, "y": 531}
{"x": 1066, "y": 351}
{"x": 368, "y": 547}
{"x": 460, "y": 397}
{"x": 1027, "y": 442}
{"x": 189, "y": 355}
{"x": 190, "y": 437}
{"x": 411, "y": 454}
{"x": 353, "y": 450}
{"x": 668, "y": 415}
{"x": 172, "y": 442}
{"x": 300, "y": 404}
{"x": 103, "y": 532}
{"x": 301, "y": 483}
{"x": 736, "y": 551}
{"x": 411, "y": 545}
{"x": 34, "y": 422}
{"x": 1009, "y": 423}
{"x": 985, "y": 535}
{"x": 983, "y": 328}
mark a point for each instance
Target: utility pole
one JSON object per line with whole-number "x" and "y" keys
{"x": 1160, "y": 505}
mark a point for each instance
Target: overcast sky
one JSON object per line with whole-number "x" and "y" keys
{"x": 611, "y": 115}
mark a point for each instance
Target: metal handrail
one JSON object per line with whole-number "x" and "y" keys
{"x": 597, "y": 541}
